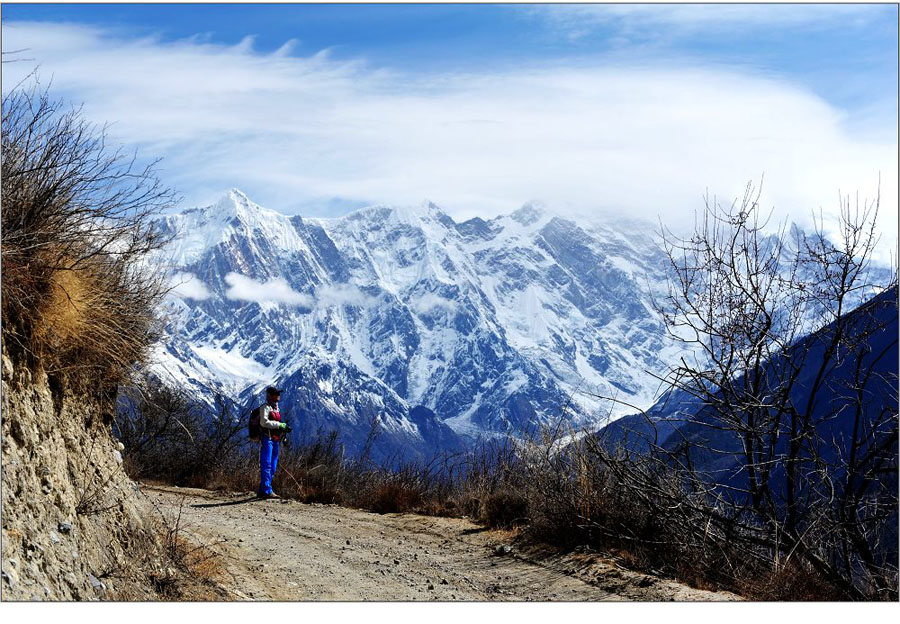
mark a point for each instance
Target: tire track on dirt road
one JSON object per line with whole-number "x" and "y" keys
{"x": 285, "y": 550}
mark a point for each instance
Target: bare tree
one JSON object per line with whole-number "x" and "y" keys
{"x": 784, "y": 443}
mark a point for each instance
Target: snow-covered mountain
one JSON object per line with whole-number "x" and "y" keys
{"x": 433, "y": 332}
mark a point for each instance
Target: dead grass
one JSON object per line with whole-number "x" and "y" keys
{"x": 504, "y": 509}
{"x": 65, "y": 315}
{"x": 394, "y": 498}
{"x": 194, "y": 569}
{"x": 76, "y": 225}
{"x": 790, "y": 583}
{"x": 201, "y": 561}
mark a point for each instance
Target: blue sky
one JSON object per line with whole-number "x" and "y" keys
{"x": 317, "y": 108}
{"x": 846, "y": 54}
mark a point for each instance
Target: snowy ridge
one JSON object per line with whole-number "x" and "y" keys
{"x": 431, "y": 330}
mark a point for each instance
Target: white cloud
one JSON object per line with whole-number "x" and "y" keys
{"x": 673, "y": 20}
{"x": 646, "y": 141}
{"x": 276, "y": 290}
{"x": 341, "y": 295}
{"x": 429, "y": 302}
{"x": 189, "y": 286}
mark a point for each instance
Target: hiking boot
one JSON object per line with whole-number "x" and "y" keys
{"x": 273, "y": 495}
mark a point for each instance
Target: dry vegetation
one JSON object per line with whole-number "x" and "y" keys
{"x": 78, "y": 302}
{"x": 194, "y": 569}
{"x": 573, "y": 500}
{"x": 79, "y": 310}
{"x": 790, "y": 453}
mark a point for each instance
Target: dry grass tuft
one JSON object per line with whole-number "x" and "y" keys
{"x": 394, "y": 498}
{"x": 77, "y": 223}
{"x": 65, "y": 316}
{"x": 504, "y": 509}
{"x": 193, "y": 569}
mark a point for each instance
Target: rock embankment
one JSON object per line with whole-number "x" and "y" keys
{"x": 74, "y": 526}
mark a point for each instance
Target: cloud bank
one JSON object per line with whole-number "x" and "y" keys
{"x": 675, "y": 20}
{"x": 189, "y": 286}
{"x": 276, "y": 290}
{"x": 295, "y": 131}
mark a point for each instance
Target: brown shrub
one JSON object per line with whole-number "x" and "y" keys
{"x": 504, "y": 509}
{"x": 467, "y": 505}
{"x": 297, "y": 483}
{"x": 394, "y": 498}
{"x": 76, "y": 223}
{"x": 790, "y": 582}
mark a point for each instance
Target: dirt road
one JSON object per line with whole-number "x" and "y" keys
{"x": 284, "y": 550}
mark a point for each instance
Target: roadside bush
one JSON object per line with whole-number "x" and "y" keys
{"x": 393, "y": 498}
{"x": 312, "y": 471}
{"x": 168, "y": 436}
{"x": 503, "y": 509}
{"x": 76, "y": 225}
{"x": 640, "y": 512}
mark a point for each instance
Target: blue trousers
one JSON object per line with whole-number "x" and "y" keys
{"x": 268, "y": 462}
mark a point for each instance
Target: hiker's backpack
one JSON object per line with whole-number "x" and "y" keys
{"x": 253, "y": 428}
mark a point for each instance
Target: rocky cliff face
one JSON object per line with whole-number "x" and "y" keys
{"x": 74, "y": 526}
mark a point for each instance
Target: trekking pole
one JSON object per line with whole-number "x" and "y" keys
{"x": 297, "y": 483}
{"x": 288, "y": 472}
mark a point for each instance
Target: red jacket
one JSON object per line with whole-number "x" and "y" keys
{"x": 269, "y": 421}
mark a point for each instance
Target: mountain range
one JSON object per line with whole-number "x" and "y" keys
{"x": 402, "y": 326}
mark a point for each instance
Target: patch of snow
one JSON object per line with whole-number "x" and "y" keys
{"x": 231, "y": 366}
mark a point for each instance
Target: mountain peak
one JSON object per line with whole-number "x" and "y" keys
{"x": 235, "y": 205}
{"x": 233, "y": 202}
{"x": 796, "y": 232}
{"x": 436, "y": 213}
{"x": 412, "y": 214}
{"x": 529, "y": 213}
{"x": 233, "y": 214}
{"x": 237, "y": 193}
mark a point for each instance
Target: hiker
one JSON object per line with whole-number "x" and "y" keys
{"x": 271, "y": 430}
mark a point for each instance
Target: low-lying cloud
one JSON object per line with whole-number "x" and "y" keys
{"x": 189, "y": 286}
{"x": 290, "y": 131}
{"x": 341, "y": 295}
{"x": 275, "y": 290}
{"x": 430, "y": 302}
{"x": 278, "y": 291}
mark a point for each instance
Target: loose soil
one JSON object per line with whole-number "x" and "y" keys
{"x": 285, "y": 550}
